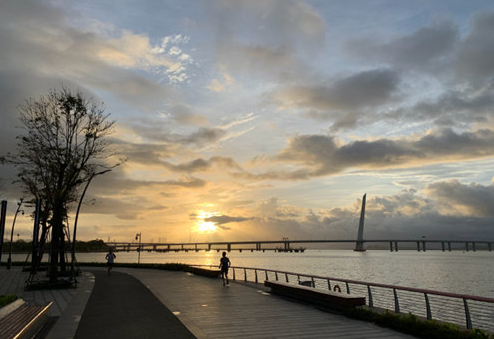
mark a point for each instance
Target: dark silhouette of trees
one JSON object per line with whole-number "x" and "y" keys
{"x": 63, "y": 144}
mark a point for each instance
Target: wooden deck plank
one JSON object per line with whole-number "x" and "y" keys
{"x": 247, "y": 311}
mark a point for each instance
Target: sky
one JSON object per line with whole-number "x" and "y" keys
{"x": 265, "y": 119}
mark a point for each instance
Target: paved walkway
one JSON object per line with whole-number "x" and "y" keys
{"x": 124, "y": 301}
{"x": 121, "y": 307}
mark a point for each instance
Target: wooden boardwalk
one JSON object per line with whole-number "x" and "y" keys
{"x": 247, "y": 310}
{"x": 206, "y": 308}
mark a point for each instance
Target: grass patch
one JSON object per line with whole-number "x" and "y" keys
{"x": 7, "y": 299}
{"x": 411, "y": 324}
{"x": 166, "y": 267}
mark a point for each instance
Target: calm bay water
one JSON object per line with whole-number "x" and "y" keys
{"x": 457, "y": 271}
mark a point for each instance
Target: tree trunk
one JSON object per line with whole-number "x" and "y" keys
{"x": 56, "y": 236}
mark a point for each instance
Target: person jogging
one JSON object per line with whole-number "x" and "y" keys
{"x": 110, "y": 257}
{"x": 224, "y": 265}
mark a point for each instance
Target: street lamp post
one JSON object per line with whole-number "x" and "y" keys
{"x": 72, "y": 264}
{"x": 19, "y": 204}
{"x": 138, "y": 236}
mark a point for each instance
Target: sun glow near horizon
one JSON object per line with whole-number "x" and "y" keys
{"x": 204, "y": 226}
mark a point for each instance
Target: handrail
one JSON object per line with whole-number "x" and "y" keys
{"x": 482, "y": 316}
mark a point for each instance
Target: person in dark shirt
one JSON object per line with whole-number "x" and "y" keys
{"x": 110, "y": 257}
{"x": 224, "y": 265}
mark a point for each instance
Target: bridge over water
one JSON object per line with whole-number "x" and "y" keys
{"x": 287, "y": 245}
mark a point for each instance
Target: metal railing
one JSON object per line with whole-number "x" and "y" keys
{"x": 467, "y": 310}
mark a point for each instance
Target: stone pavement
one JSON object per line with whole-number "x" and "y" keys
{"x": 203, "y": 305}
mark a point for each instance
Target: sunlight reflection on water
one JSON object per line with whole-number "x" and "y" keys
{"x": 458, "y": 272}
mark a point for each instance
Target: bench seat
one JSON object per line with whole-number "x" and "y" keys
{"x": 208, "y": 272}
{"x": 327, "y": 299}
{"x": 24, "y": 322}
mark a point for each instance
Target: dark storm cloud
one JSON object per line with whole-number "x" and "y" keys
{"x": 360, "y": 90}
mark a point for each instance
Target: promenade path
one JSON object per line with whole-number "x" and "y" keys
{"x": 204, "y": 308}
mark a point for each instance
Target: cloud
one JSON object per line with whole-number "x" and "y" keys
{"x": 266, "y": 38}
{"x": 475, "y": 61}
{"x": 423, "y": 49}
{"x": 456, "y": 198}
{"x": 364, "y": 89}
{"x": 158, "y": 131}
{"x": 40, "y": 43}
{"x": 200, "y": 164}
{"x": 321, "y": 155}
{"x": 221, "y": 220}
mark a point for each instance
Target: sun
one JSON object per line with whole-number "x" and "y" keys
{"x": 204, "y": 226}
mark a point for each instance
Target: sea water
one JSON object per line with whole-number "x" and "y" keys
{"x": 459, "y": 272}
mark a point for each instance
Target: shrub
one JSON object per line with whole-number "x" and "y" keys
{"x": 411, "y": 324}
{"x": 7, "y": 299}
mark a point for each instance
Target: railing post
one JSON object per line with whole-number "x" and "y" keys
{"x": 276, "y": 275}
{"x": 397, "y": 303}
{"x": 266, "y": 271}
{"x": 245, "y": 274}
{"x": 428, "y": 307}
{"x": 369, "y": 292}
{"x": 467, "y": 315}
{"x": 347, "y": 288}
{"x": 234, "y": 274}
{"x": 255, "y": 271}
{"x": 286, "y": 277}
{"x": 329, "y": 285}
{"x": 313, "y": 282}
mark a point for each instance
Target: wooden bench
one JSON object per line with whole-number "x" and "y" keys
{"x": 327, "y": 299}
{"x": 208, "y": 272}
{"x": 24, "y": 321}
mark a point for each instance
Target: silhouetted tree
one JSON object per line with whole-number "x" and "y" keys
{"x": 63, "y": 144}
